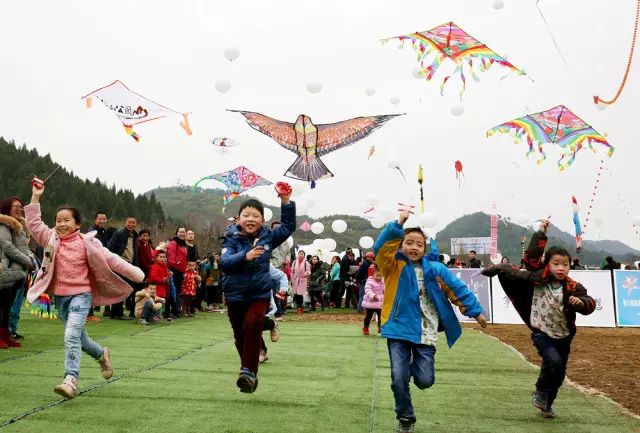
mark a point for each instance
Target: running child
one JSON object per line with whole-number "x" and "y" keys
{"x": 373, "y": 296}
{"x": 547, "y": 300}
{"x": 418, "y": 297}
{"x": 80, "y": 272}
{"x": 247, "y": 282}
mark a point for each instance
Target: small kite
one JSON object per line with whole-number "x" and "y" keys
{"x": 420, "y": 181}
{"x": 450, "y": 41}
{"x": 310, "y": 141}
{"x": 558, "y": 126}
{"x": 305, "y": 226}
{"x": 132, "y": 108}
{"x": 372, "y": 150}
{"x": 224, "y": 142}
{"x": 459, "y": 172}
{"x": 576, "y": 223}
{"x": 237, "y": 181}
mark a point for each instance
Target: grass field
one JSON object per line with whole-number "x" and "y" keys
{"x": 322, "y": 377}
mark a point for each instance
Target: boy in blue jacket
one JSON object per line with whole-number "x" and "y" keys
{"x": 416, "y": 303}
{"x": 247, "y": 285}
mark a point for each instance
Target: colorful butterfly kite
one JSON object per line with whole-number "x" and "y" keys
{"x": 450, "y": 41}
{"x": 310, "y": 141}
{"x": 558, "y": 126}
{"x": 132, "y": 108}
{"x": 576, "y": 223}
{"x": 237, "y": 181}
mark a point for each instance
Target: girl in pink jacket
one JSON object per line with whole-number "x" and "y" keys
{"x": 79, "y": 272}
{"x": 372, "y": 301}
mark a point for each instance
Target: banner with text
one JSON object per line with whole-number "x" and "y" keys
{"x": 479, "y": 285}
{"x": 598, "y": 285}
{"x": 464, "y": 245}
{"x": 627, "y": 290}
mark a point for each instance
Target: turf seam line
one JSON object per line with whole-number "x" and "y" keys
{"x": 372, "y": 412}
{"x": 584, "y": 390}
{"x": 114, "y": 379}
{"x": 40, "y": 352}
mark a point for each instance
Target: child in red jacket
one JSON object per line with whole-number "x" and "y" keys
{"x": 159, "y": 275}
{"x": 189, "y": 285}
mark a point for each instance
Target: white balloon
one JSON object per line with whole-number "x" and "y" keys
{"x": 522, "y": 219}
{"x": 497, "y": 259}
{"x": 366, "y": 242}
{"x": 317, "y": 227}
{"x": 268, "y": 214}
{"x": 314, "y": 86}
{"x": 417, "y": 73}
{"x": 329, "y": 244}
{"x": 369, "y": 91}
{"x": 223, "y": 86}
{"x": 338, "y": 226}
{"x": 377, "y": 223}
{"x": 373, "y": 200}
{"x": 457, "y": 110}
{"x": 428, "y": 220}
{"x": 394, "y": 100}
{"x": 498, "y": 4}
{"x": 231, "y": 53}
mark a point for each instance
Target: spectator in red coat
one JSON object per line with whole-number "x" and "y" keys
{"x": 177, "y": 257}
{"x": 159, "y": 275}
{"x": 145, "y": 251}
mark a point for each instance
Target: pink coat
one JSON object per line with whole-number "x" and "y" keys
{"x": 371, "y": 288}
{"x": 106, "y": 287}
{"x": 299, "y": 277}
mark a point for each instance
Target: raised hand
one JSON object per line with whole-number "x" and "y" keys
{"x": 404, "y": 216}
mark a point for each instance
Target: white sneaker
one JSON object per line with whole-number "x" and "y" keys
{"x": 68, "y": 388}
{"x": 143, "y": 322}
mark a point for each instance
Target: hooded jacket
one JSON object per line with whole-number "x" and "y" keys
{"x": 15, "y": 256}
{"x": 246, "y": 281}
{"x": 401, "y": 316}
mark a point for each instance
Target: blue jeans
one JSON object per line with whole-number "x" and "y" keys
{"x": 555, "y": 354}
{"x": 147, "y": 311}
{"x": 360, "y": 295}
{"x": 407, "y": 360}
{"x": 73, "y": 312}
{"x": 14, "y": 313}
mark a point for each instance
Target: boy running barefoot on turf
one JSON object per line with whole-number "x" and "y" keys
{"x": 416, "y": 300}
{"x": 547, "y": 300}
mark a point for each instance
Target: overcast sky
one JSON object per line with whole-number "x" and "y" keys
{"x": 172, "y": 52}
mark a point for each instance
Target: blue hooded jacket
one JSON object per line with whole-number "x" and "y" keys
{"x": 246, "y": 281}
{"x": 401, "y": 316}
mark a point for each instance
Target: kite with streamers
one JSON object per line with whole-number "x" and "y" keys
{"x": 576, "y": 224}
{"x": 459, "y": 171}
{"x": 224, "y": 142}
{"x": 558, "y": 126}
{"x": 449, "y": 41}
{"x": 237, "y": 181}
{"x": 310, "y": 141}
{"x": 132, "y": 108}
{"x": 44, "y": 307}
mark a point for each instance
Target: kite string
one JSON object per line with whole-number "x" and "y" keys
{"x": 550, "y": 33}
{"x": 593, "y": 196}
{"x": 597, "y": 99}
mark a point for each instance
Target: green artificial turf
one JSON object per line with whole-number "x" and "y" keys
{"x": 322, "y": 377}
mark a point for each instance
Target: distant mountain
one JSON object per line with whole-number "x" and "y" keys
{"x": 203, "y": 208}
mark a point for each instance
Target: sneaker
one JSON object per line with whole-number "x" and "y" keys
{"x": 105, "y": 364}
{"x": 548, "y": 413}
{"x": 143, "y": 322}
{"x": 539, "y": 400}
{"x": 94, "y": 319}
{"x": 275, "y": 333}
{"x": 247, "y": 381}
{"x": 365, "y": 331}
{"x": 68, "y": 388}
{"x": 263, "y": 356}
{"x": 405, "y": 426}
{"x": 16, "y": 336}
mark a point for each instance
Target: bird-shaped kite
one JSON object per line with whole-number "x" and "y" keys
{"x": 310, "y": 141}
{"x": 237, "y": 181}
{"x": 558, "y": 126}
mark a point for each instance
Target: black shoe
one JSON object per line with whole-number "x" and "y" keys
{"x": 539, "y": 400}
{"x": 405, "y": 426}
{"x": 247, "y": 381}
{"x": 16, "y": 336}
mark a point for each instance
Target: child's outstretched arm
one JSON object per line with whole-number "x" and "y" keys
{"x": 511, "y": 272}
{"x": 280, "y": 277}
{"x": 388, "y": 243}
{"x": 39, "y": 230}
{"x": 533, "y": 254}
{"x": 118, "y": 265}
{"x": 287, "y": 220}
{"x": 460, "y": 295}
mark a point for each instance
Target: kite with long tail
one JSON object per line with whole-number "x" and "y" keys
{"x": 576, "y": 223}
